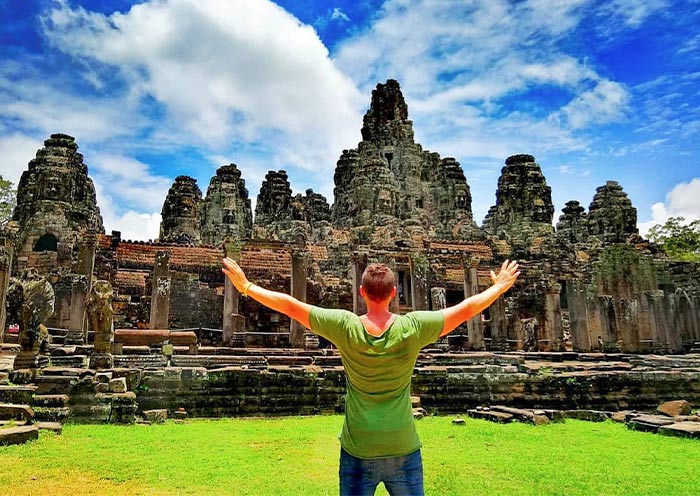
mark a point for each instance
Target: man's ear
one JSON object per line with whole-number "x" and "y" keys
{"x": 362, "y": 291}
{"x": 393, "y": 292}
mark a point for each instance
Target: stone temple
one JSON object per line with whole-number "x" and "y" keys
{"x": 590, "y": 285}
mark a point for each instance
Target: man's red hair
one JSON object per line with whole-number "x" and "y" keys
{"x": 378, "y": 281}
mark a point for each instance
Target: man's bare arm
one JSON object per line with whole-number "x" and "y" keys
{"x": 473, "y": 305}
{"x": 280, "y": 302}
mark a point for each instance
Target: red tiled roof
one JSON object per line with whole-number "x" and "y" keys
{"x": 277, "y": 260}
{"x": 131, "y": 279}
{"x": 318, "y": 252}
{"x": 181, "y": 257}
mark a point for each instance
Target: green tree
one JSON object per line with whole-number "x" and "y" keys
{"x": 8, "y": 199}
{"x": 679, "y": 239}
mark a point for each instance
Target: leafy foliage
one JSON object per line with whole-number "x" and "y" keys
{"x": 8, "y": 199}
{"x": 679, "y": 239}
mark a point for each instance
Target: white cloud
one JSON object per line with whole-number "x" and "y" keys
{"x": 240, "y": 71}
{"x": 16, "y": 151}
{"x": 339, "y": 15}
{"x": 632, "y": 13}
{"x": 606, "y": 102}
{"x": 682, "y": 201}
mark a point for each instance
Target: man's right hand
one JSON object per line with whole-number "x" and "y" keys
{"x": 234, "y": 272}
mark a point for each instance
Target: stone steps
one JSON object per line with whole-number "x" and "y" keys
{"x": 51, "y": 400}
{"x": 17, "y": 394}
{"x": 19, "y": 435}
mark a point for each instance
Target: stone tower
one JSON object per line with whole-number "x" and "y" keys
{"x": 573, "y": 223}
{"x": 389, "y": 178}
{"x": 181, "y": 214}
{"x": 56, "y": 203}
{"x": 524, "y": 208}
{"x": 611, "y": 216}
{"x": 274, "y": 200}
{"x": 226, "y": 210}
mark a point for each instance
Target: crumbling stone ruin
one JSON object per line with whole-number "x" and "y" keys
{"x": 591, "y": 285}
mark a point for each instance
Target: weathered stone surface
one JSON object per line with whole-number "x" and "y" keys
{"x": 18, "y": 435}
{"x": 648, "y": 423}
{"x": 675, "y": 408}
{"x": 182, "y": 212}
{"x": 156, "y": 416}
{"x": 493, "y": 416}
{"x": 681, "y": 429}
{"x": 54, "y": 427}
{"x": 611, "y": 216}
{"x": 573, "y": 223}
{"x": 117, "y": 385}
{"x": 522, "y": 415}
{"x": 589, "y": 415}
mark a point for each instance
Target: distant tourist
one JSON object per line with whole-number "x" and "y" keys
{"x": 379, "y": 442}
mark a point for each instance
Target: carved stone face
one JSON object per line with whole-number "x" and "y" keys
{"x": 384, "y": 202}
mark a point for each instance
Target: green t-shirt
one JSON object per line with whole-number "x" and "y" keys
{"x": 378, "y": 416}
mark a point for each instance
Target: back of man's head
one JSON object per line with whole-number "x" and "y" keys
{"x": 378, "y": 281}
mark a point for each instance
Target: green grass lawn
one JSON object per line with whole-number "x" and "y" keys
{"x": 299, "y": 456}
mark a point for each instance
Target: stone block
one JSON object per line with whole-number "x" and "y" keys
{"x": 588, "y": 415}
{"x": 54, "y": 427}
{"x": 51, "y": 400}
{"x": 681, "y": 429}
{"x": 18, "y": 435}
{"x": 649, "y": 423}
{"x": 499, "y": 417}
{"x": 675, "y": 408}
{"x": 16, "y": 412}
{"x": 103, "y": 377}
{"x": 102, "y": 387}
{"x": 118, "y": 385}
{"x": 156, "y": 416}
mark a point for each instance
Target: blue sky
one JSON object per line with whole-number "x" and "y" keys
{"x": 595, "y": 90}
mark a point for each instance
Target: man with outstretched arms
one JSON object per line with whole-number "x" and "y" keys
{"x": 379, "y": 442}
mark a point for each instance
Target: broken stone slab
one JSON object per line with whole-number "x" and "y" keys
{"x": 522, "y": 415}
{"x": 459, "y": 421}
{"x": 649, "y": 423}
{"x": 55, "y": 427}
{"x": 552, "y": 415}
{"x": 588, "y": 415}
{"x": 156, "y": 416}
{"x": 621, "y": 416}
{"x": 419, "y": 413}
{"x": 498, "y": 417}
{"x": 687, "y": 418}
{"x": 16, "y": 412}
{"x": 675, "y": 408}
{"x": 681, "y": 429}
{"x": 19, "y": 435}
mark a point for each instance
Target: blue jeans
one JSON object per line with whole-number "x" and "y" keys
{"x": 401, "y": 475}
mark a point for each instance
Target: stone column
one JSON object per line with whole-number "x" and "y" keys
{"x": 160, "y": 294}
{"x": 80, "y": 289}
{"x": 394, "y": 305}
{"x": 553, "y": 332}
{"x": 6, "y": 253}
{"x": 608, "y": 322}
{"x": 658, "y": 320}
{"x": 578, "y": 316}
{"x": 475, "y": 328}
{"x": 499, "y": 325}
{"x": 359, "y": 264}
{"x": 233, "y": 321}
{"x": 420, "y": 269}
{"x": 296, "y": 330}
{"x": 100, "y": 318}
{"x": 629, "y": 324}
